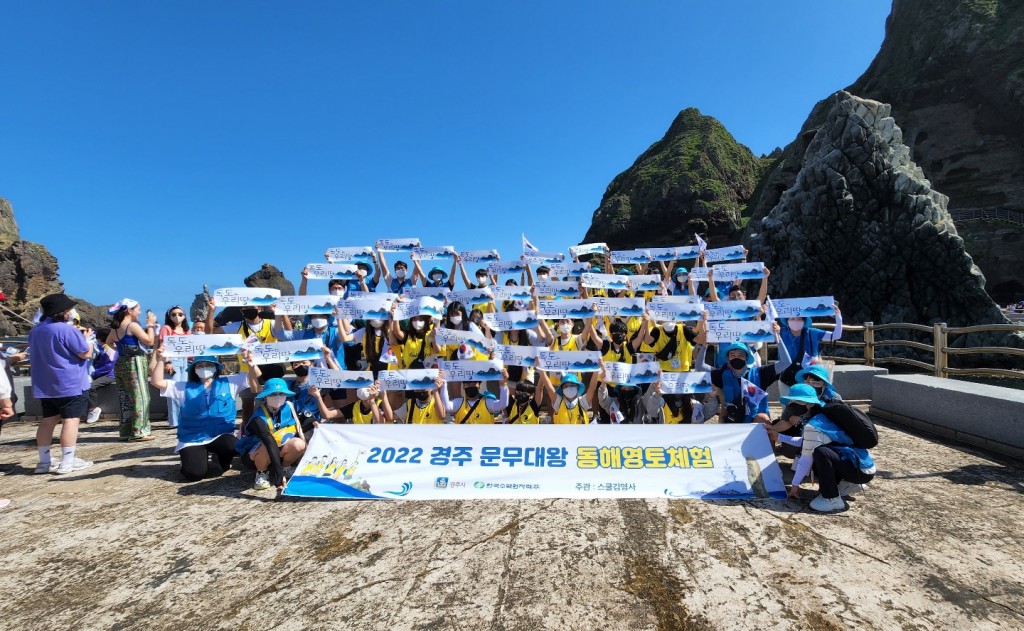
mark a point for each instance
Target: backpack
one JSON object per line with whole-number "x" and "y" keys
{"x": 857, "y": 425}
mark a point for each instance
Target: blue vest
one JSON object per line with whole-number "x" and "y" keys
{"x": 792, "y": 342}
{"x": 303, "y": 400}
{"x": 733, "y": 392}
{"x": 204, "y": 417}
{"x": 284, "y": 420}
{"x": 397, "y": 286}
{"x": 842, "y": 443}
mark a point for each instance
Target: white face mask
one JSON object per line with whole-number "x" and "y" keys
{"x": 570, "y": 392}
{"x": 375, "y": 323}
{"x": 542, "y": 276}
{"x": 418, "y": 325}
{"x": 481, "y": 280}
{"x": 400, "y": 273}
{"x": 681, "y": 280}
{"x": 205, "y": 372}
{"x": 436, "y": 278}
{"x": 565, "y": 329}
{"x": 796, "y": 324}
{"x": 337, "y": 292}
{"x": 669, "y": 327}
{"x": 456, "y": 320}
{"x": 318, "y": 323}
{"x": 275, "y": 401}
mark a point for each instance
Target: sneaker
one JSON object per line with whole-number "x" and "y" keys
{"x": 825, "y": 505}
{"x": 46, "y": 467}
{"x": 846, "y": 489}
{"x": 262, "y": 482}
{"x": 76, "y": 465}
{"x": 94, "y": 415}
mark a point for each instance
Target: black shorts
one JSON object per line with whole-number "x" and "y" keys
{"x": 66, "y": 407}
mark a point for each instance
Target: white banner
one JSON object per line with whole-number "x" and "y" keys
{"x": 469, "y": 370}
{"x": 625, "y": 257}
{"x": 432, "y": 253}
{"x": 613, "y": 307}
{"x": 568, "y": 270}
{"x": 730, "y": 253}
{"x": 497, "y": 268}
{"x": 685, "y": 382}
{"x": 569, "y": 361}
{"x": 805, "y": 307}
{"x": 438, "y": 293}
{"x": 587, "y": 248}
{"x": 617, "y": 282}
{"x": 283, "y": 352}
{"x": 327, "y": 271}
{"x": 621, "y": 372}
{"x": 645, "y": 282}
{"x": 739, "y": 271}
{"x": 557, "y": 289}
{"x": 368, "y": 306}
{"x": 733, "y": 309}
{"x": 327, "y": 379}
{"x": 243, "y": 296}
{"x": 470, "y": 297}
{"x": 675, "y": 308}
{"x": 425, "y": 306}
{"x": 577, "y": 309}
{"x": 512, "y": 292}
{"x": 479, "y": 256}
{"x": 455, "y": 337}
{"x": 347, "y": 254}
{"x": 511, "y": 320}
{"x": 415, "y": 379}
{"x": 542, "y": 258}
{"x": 194, "y": 345}
{"x": 747, "y": 331}
{"x": 434, "y": 462}
{"x": 397, "y": 245}
{"x": 514, "y": 355}
{"x": 306, "y": 305}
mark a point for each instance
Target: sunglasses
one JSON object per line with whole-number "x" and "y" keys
{"x": 177, "y": 315}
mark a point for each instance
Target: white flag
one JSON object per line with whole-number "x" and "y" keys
{"x": 701, "y": 243}
{"x": 773, "y": 315}
{"x": 527, "y": 246}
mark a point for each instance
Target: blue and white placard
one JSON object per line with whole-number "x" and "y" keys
{"x": 327, "y": 271}
{"x": 367, "y": 306}
{"x": 573, "y": 309}
{"x": 497, "y": 268}
{"x": 645, "y": 282}
{"x": 569, "y": 361}
{"x": 816, "y": 307}
{"x": 747, "y": 331}
{"x": 729, "y": 253}
{"x": 348, "y": 254}
{"x": 455, "y": 337}
{"x": 515, "y": 355}
{"x": 675, "y": 308}
{"x": 636, "y": 374}
{"x": 733, "y": 309}
{"x": 568, "y": 270}
{"x": 479, "y": 256}
{"x": 283, "y": 352}
{"x": 245, "y": 296}
{"x": 397, "y": 245}
{"x": 432, "y": 253}
{"x": 475, "y": 296}
{"x": 469, "y": 370}
{"x": 194, "y": 345}
{"x": 306, "y": 305}
{"x": 511, "y": 320}
{"x": 437, "y": 293}
{"x": 413, "y": 379}
{"x": 423, "y": 306}
{"x": 328, "y": 379}
{"x": 616, "y": 282}
{"x": 505, "y": 293}
{"x": 618, "y": 307}
{"x": 557, "y": 289}
{"x": 587, "y": 248}
{"x": 629, "y": 257}
{"x": 685, "y": 382}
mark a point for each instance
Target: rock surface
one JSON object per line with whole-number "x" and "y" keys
{"x": 696, "y": 179}
{"x": 269, "y": 276}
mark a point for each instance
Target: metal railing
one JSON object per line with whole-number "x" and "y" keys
{"x": 939, "y": 347}
{"x": 998, "y": 214}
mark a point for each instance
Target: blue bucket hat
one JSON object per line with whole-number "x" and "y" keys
{"x": 739, "y": 346}
{"x": 209, "y": 359}
{"x": 801, "y": 393}
{"x": 275, "y": 386}
{"x": 570, "y": 379}
{"x": 367, "y": 264}
{"x": 444, "y": 274}
{"x": 680, "y": 270}
{"x": 814, "y": 370}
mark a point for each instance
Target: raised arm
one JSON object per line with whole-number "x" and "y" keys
{"x": 156, "y": 370}
{"x": 304, "y": 281}
{"x": 462, "y": 269}
{"x": 836, "y": 333}
{"x": 762, "y": 294}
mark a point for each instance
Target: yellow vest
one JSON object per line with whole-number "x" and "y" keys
{"x": 360, "y": 417}
{"x": 528, "y": 416}
{"x": 571, "y": 345}
{"x": 422, "y": 416}
{"x": 409, "y": 351}
{"x": 670, "y": 418}
{"x": 683, "y": 355}
{"x": 264, "y": 334}
{"x": 481, "y": 415}
{"x": 564, "y": 416}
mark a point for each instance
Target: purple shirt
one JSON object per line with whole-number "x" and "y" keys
{"x": 57, "y": 370}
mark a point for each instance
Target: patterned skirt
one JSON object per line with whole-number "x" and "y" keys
{"x": 133, "y": 395}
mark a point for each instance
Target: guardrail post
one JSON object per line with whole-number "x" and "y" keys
{"x": 869, "y": 343}
{"x": 939, "y": 342}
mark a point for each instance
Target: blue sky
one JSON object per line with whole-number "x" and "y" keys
{"x": 155, "y": 147}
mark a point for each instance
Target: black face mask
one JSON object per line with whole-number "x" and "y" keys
{"x": 675, "y": 403}
{"x": 522, "y": 397}
{"x": 627, "y": 394}
{"x": 737, "y": 362}
{"x": 301, "y": 371}
{"x": 618, "y": 338}
{"x": 472, "y": 392}
{"x": 421, "y": 395}
{"x": 250, "y": 314}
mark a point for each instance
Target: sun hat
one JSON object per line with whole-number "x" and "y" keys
{"x": 124, "y": 303}
{"x": 570, "y": 379}
{"x": 444, "y": 274}
{"x": 56, "y": 303}
{"x": 739, "y": 346}
{"x": 275, "y": 386}
{"x": 814, "y": 370}
{"x": 801, "y": 393}
{"x": 209, "y": 359}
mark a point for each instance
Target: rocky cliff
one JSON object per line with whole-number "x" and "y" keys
{"x": 697, "y": 178}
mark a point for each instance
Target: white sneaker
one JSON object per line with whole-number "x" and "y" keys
{"x": 46, "y": 467}
{"x": 262, "y": 482}
{"x": 825, "y": 505}
{"x": 76, "y": 465}
{"x": 94, "y": 415}
{"x": 847, "y": 489}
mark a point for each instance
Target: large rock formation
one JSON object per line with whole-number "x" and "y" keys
{"x": 953, "y": 72}
{"x": 266, "y": 276}
{"x": 862, "y": 222}
{"x": 695, "y": 179}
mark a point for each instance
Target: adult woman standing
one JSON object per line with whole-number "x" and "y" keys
{"x": 175, "y": 323}
{"x": 130, "y": 369}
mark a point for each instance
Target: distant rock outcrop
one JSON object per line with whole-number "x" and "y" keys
{"x": 697, "y": 179}
{"x": 863, "y": 223}
{"x": 270, "y": 276}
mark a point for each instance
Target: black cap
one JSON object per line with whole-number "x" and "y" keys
{"x": 56, "y": 303}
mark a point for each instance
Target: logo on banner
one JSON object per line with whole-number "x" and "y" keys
{"x": 441, "y": 483}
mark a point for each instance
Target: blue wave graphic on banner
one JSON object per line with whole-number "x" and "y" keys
{"x": 313, "y": 486}
{"x": 406, "y": 487}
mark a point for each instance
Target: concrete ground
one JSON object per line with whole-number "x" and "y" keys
{"x": 935, "y": 544}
